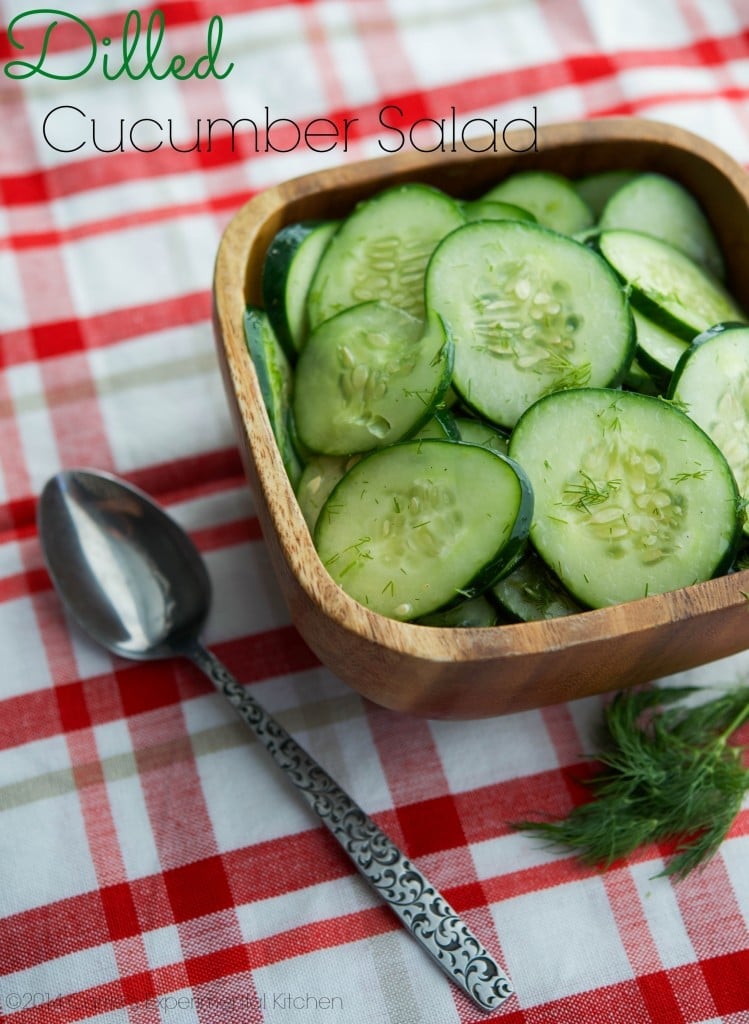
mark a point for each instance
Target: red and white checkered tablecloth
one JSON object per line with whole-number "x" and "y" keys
{"x": 154, "y": 866}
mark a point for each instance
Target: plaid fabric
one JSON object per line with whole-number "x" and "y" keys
{"x": 153, "y": 865}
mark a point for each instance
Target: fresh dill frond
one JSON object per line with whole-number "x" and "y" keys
{"x": 589, "y": 492}
{"x": 698, "y": 474}
{"x": 564, "y": 373}
{"x": 668, "y": 772}
{"x": 422, "y": 395}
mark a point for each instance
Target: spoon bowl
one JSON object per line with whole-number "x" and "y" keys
{"x": 137, "y": 585}
{"x": 130, "y": 577}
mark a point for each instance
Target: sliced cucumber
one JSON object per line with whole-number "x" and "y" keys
{"x": 485, "y": 209}
{"x": 476, "y": 432}
{"x": 657, "y": 349}
{"x": 442, "y": 425}
{"x": 711, "y": 382}
{"x": 665, "y": 285}
{"x": 597, "y": 188}
{"x": 660, "y": 206}
{"x": 532, "y": 591}
{"x": 551, "y": 198}
{"x": 639, "y": 379}
{"x": 381, "y": 251}
{"x": 417, "y": 525}
{"x": 530, "y": 311}
{"x": 274, "y": 377}
{"x": 474, "y": 613}
{"x": 288, "y": 269}
{"x": 369, "y": 376}
{"x": 632, "y": 497}
{"x": 319, "y": 477}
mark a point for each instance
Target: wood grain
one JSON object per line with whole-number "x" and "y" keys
{"x": 472, "y": 673}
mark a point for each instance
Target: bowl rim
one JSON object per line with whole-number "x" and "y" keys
{"x": 474, "y": 644}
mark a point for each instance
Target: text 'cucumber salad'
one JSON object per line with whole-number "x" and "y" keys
{"x": 511, "y": 406}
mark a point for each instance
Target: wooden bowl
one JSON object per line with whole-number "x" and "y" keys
{"x": 473, "y": 673}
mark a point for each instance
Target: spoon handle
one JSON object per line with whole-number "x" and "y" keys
{"x": 421, "y": 908}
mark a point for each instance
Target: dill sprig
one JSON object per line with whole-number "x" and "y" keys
{"x": 668, "y": 773}
{"x": 589, "y": 492}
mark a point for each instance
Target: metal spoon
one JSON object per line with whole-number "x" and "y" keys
{"x": 134, "y": 581}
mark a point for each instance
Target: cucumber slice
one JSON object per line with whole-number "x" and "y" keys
{"x": 551, "y": 198}
{"x": 657, "y": 349}
{"x": 381, "y": 251}
{"x": 665, "y": 285}
{"x": 530, "y": 311}
{"x": 476, "y": 432}
{"x": 420, "y": 524}
{"x": 475, "y": 613}
{"x": 442, "y": 425}
{"x": 369, "y": 376}
{"x": 637, "y": 501}
{"x": 288, "y": 269}
{"x": 319, "y": 477}
{"x": 638, "y": 379}
{"x": 532, "y": 591}
{"x": 662, "y": 207}
{"x": 596, "y": 189}
{"x": 711, "y": 382}
{"x": 274, "y": 376}
{"x": 485, "y": 209}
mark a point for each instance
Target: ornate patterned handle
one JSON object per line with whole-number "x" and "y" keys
{"x": 429, "y": 918}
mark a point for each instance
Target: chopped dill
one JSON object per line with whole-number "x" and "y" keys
{"x": 565, "y": 374}
{"x": 424, "y": 395}
{"x": 698, "y": 474}
{"x": 333, "y": 509}
{"x": 589, "y": 492}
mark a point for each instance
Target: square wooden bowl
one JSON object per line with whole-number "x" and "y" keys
{"x": 474, "y": 673}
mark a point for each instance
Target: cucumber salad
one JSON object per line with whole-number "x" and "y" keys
{"x": 511, "y": 406}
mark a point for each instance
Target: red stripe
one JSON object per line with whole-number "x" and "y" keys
{"x": 23, "y": 583}
{"x": 68, "y": 36}
{"x": 225, "y": 535}
{"x": 326, "y": 65}
{"x": 717, "y": 51}
{"x": 186, "y": 479}
{"x": 226, "y": 204}
{"x": 265, "y": 871}
{"x": 634, "y": 107}
{"x": 631, "y": 1000}
{"x": 632, "y": 924}
{"x": 201, "y": 970}
{"x": 382, "y": 42}
{"x": 51, "y": 339}
{"x": 728, "y": 979}
{"x": 210, "y": 538}
{"x": 194, "y": 876}
{"x": 79, "y": 429}
{"x": 413, "y": 107}
{"x": 429, "y": 818}
{"x": 13, "y": 468}
{"x": 18, "y": 516}
{"x": 375, "y": 24}
{"x": 711, "y": 897}
{"x": 31, "y": 716}
{"x": 467, "y": 95}
{"x": 615, "y": 1003}
{"x": 658, "y": 994}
